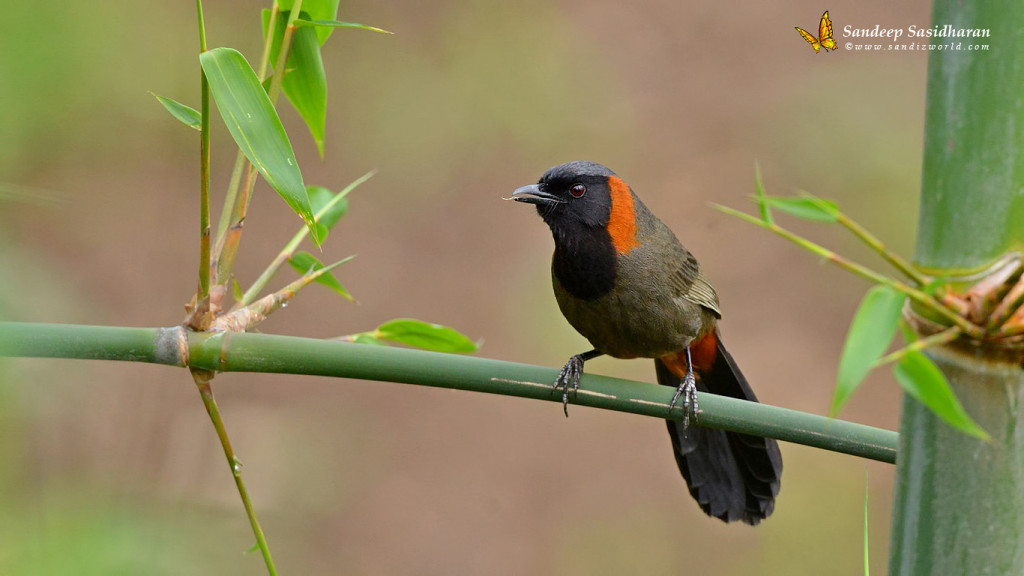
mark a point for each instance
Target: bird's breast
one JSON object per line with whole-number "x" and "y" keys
{"x": 636, "y": 316}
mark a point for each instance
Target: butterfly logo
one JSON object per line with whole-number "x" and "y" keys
{"x": 824, "y": 39}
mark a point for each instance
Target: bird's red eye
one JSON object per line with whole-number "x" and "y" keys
{"x": 578, "y": 190}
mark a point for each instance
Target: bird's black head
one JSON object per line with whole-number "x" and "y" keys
{"x": 592, "y": 216}
{"x": 571, "y": 195}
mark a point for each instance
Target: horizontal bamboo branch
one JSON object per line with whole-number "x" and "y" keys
{"x": 241, "y": 352}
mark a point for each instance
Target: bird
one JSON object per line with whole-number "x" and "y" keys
{"x": 624, "y": 281}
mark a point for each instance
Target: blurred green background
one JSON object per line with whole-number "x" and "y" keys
{"x": 114, "y": 468}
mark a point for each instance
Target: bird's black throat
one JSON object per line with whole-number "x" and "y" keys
{"x": 584, "y": 261}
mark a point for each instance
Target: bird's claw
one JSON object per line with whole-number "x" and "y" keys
{"x": 568, "y": 377}
{"x": 688, "y": 390}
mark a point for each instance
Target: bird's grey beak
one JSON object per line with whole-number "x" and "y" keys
{"x": 532, "y": 194}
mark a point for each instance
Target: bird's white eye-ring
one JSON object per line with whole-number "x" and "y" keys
{"x": 578, "y": 190}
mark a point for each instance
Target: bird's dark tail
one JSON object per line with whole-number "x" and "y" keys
{"x": 732, "y": 476}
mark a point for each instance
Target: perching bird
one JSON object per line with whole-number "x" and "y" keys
{"x": 624, "y": 281}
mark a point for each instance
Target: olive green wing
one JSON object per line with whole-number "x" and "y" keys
{"x": 690, "y": 283}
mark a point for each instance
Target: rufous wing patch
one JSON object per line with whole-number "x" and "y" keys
{"x": 622, "y": 221}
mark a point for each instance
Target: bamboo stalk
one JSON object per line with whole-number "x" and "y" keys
{"x": 230, "y": 352}
{"x": 957, "y": 506}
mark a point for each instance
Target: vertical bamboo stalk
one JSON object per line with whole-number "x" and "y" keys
{"x": 959, "y": 502}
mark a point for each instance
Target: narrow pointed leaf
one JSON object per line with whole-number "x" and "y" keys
{"x": 304, "y": 82}
{"x": 184, "y": 114}
{"x": 425, "y": 335}
{"x": 923, "y": 380}
{"x": 872, "y": 329}
{"x": 328, "y": 208}
{"x": 329, "y": 24}
{"x": 766, "y": 211}
{"x": 304, "y": 262}
{"x": 320, "y": 10}
{"x": 805, "y": 207}
{"x": 256, "y": 128}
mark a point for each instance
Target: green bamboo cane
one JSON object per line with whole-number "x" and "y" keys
{"x": 241, "y": 352}
{"x": 958, "y": 504}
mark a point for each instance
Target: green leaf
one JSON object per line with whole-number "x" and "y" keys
{"x": 872, "y": 329}
{"x": 328, "y": 208}
{"x": 805, "y": 207}
{"x": 256, "y": 128}
{"x": 304, "y": 262}
{"x": 766, "y": 211}
{"x": 236, "y": 290}
{"x": 329, "y": 24}
{"x": 923, "y": 380}
{"x": 304, "y": 82}
{"x": 184, "y": 114}
{"x": 425, "y": 335}
{"x": 365, "y": 338}
{"x": 321, "y": 10}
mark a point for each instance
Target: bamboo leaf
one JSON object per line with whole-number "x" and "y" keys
{"x": 872, "y": 329}
{"x": 766, "y": 211}
{"x": 317, "y": 10}
{"x": 304, "y": 82}
{"x": 328, "y": 207}
{"x": 256, "y": 128}
{"x": 184, "y": 114}
{"x": 805, "y": 207}
{"x": 425, "y": 335}
{"x": 923, "y": 380}
{"x": 330, "y": 24}
{"x": 304, "y": 262}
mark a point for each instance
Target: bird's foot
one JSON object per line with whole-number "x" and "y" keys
{"x": 688, "y": 390}
{"x": 569, "y": 377}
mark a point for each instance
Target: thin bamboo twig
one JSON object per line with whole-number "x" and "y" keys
{"x": 248, "y": 317}
{"x": 1012, "y": 302}
{"x": 202, "y": 379}
{"x": 289, "y": 249}
{"x": 240, "y": 159}
{"x": 875, "y": 244}
{"x": 229, "y": 200}
{"x": 860, "y": 270}
{"x": 232, "y": 236}
{"x": 937, "y": 339}
{"x": 204, "y": 169}
{"x": 282, "y": 54}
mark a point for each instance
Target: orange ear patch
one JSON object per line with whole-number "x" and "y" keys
{"x": 622, "y": 222}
